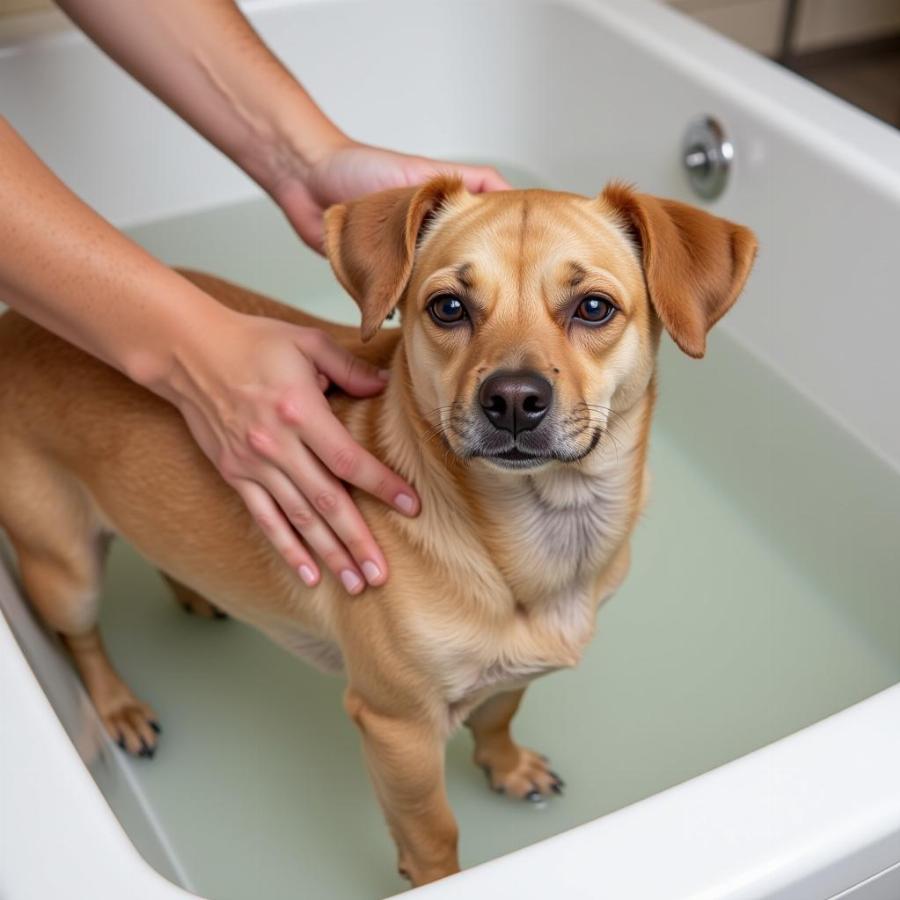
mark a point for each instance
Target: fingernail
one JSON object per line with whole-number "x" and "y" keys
{"x": 371, "y": 571}
{"x": 351, "y": 581}
{"x": 384, "y": 374}
{"x": 307, "y": 574}
{"x": 405, "y": 504}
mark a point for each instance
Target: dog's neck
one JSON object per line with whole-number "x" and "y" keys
{"x": 540, "y": 535}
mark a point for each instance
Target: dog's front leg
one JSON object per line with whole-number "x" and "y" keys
{"x": 510, "y": 769}
{"x": 405, "y": 756}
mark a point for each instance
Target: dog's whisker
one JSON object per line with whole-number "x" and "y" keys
{"x": 609, "y": 412}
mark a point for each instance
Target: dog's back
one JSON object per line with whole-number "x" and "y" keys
{"x": 78, "y": 445}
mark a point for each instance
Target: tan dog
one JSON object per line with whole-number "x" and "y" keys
{"x": 519, "y": 406}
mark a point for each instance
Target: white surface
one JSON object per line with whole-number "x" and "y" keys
{"x": 58, "y": 837}
{"x": 577, "y": 91}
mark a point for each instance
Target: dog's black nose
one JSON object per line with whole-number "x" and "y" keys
{"x": 515, "y": 401}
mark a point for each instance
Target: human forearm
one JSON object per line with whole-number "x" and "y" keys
{"x": 206, "y": 62}
{"x": 250, "y": 389}
{"x": 65, "y": 267}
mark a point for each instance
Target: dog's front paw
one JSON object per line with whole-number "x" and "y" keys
{"x": 528, "y": 777}
{"x": 131, "y": 724}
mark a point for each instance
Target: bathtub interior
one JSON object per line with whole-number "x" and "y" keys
{"x": 758, "y": 603}
{"x": 763, "y": 588}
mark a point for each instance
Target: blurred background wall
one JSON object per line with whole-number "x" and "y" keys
{"x": 819, "y": 24}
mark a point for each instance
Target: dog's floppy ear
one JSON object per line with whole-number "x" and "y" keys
{"x": 370, "y": 244}
{"x": 695, "y": 263}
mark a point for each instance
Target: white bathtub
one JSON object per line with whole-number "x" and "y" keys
{"x": 576, "y": 91}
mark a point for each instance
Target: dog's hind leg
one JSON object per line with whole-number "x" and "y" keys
{"x": 510, "y": 769}
{"x": 61, "y": 549}
{"x": 128, "y": 721}
{"x": 192, "y": 602}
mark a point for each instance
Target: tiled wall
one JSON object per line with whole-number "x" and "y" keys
{"x": 821, "y": 23}
{"x": 12, "y": 7}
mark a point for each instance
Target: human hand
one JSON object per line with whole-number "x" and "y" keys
{"x": 348, "y": 170}
{"x": 253, "y": 399}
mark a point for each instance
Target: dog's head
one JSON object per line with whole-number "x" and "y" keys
{"x": 530, "y": 317}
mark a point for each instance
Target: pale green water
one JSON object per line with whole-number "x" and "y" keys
{"x": 762, "y": 598}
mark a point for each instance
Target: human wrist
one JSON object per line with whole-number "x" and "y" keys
{"x": 168, "y": 356}
{"x": 297, "y": 137}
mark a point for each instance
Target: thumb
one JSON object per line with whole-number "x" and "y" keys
{"x": 349, "y": 372}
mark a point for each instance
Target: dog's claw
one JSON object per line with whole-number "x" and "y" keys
{"x": 156, "y": 727}
{"x": 121, "y": 742}
{"x": 218, "y": 614}
{"x": 499, "y": 789}
{"x": 558, "y": 780}
{"x": 534, "y": 796}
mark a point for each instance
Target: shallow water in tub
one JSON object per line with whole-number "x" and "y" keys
{"x": 759, "y": 602}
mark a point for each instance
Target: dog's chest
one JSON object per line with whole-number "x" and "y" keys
{"x": 518, "y": 650}
{"x": 560, "y": 531}
{"x": 553, "y": 543}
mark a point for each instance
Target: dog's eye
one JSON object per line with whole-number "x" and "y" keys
{"x": 595, "y": 309}
{"x": 446, "y": 309}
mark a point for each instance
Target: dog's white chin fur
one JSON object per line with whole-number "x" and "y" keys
{"x": 513, "y": 466}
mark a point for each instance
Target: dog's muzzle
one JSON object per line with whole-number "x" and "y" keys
{"x": 513, "y": 405}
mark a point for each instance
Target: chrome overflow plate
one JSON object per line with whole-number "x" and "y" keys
{"x": 707, "y": 154}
